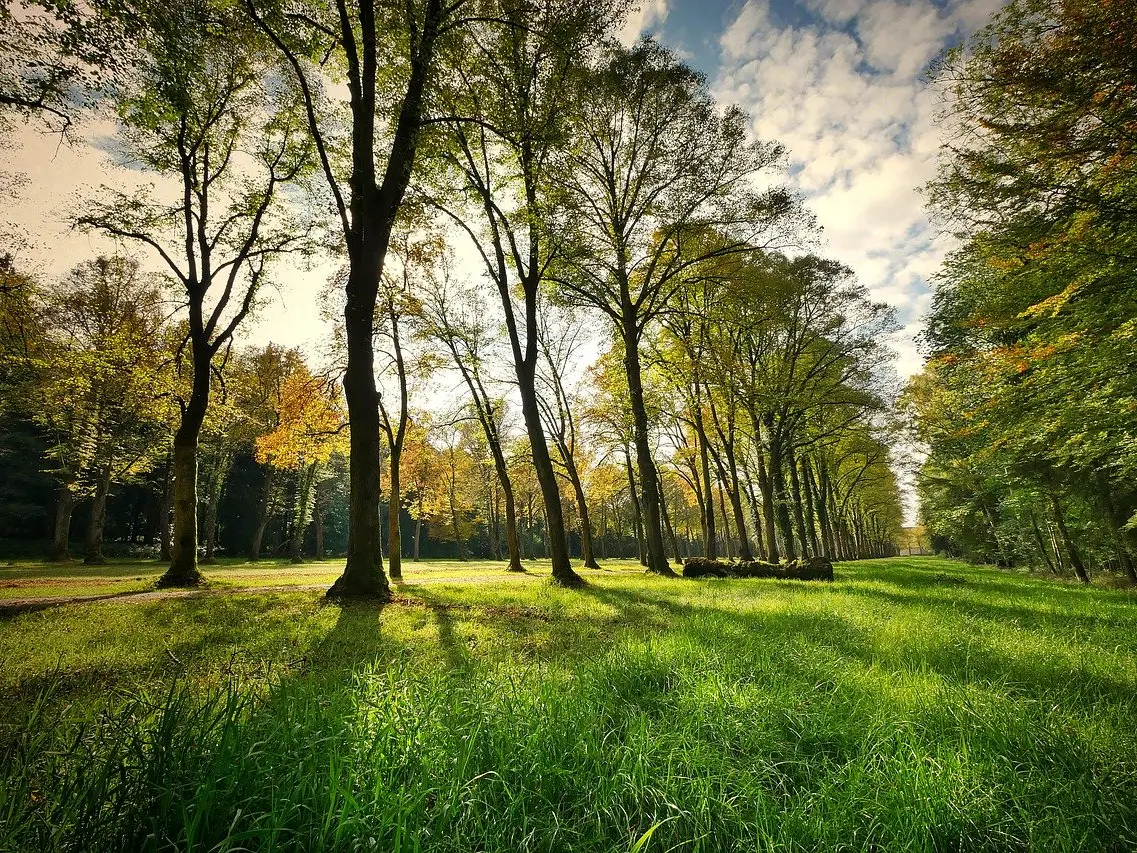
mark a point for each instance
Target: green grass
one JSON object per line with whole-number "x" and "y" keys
{"x": 914, "y": 704}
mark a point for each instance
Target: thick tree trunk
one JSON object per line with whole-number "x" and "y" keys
{"x": 183, "y": 570}
{"x": 93, "y": 542}
{"x": 363, "y": 575}
{"x": 649, "y": 479}
{"x": 61, "y": 531}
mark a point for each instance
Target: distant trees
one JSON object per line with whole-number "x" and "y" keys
{"x": 1024, "y": 404}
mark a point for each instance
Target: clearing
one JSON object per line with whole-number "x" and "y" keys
{"x": 915, "y": 703}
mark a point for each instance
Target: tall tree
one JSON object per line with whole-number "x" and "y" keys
{"x": 196, "y": 110}
{"x": 661, "y": 182}
{"x": 388, "y": 55}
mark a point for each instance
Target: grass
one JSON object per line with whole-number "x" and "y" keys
{"x": 914, "y": 704}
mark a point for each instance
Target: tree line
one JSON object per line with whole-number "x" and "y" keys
{"x": 1026, "y": 403}
{"x": 613, "y": 211}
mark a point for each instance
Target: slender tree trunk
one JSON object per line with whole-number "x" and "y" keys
{"x": 1041, "y": 543}
{"x": 586, "y": 551}
{"x": 318, "y": 510}
{"x": 418, "y": 537}
{"x": 670, "y": 532}
{"x": 93, "y": 544}
{"x": 302, "y": 517}
{"x": 262, "y": 514}
{"x": 799, "y": 515}
{"x": 394, "y": 516}
{"x": 649, "y": 479}
{"x": 637, "y": 514}
{"x": 216, "y": 486}
{"x": 810, "y": 504}
{"x": 709, "y": 541}
{"x": 728, "y": 544}
{"x": 61, "y": 532}
{"x": 1071, "y": 549}
{"x": 767, "y": 489}
{"x": 781, "y": 496}
{"x": 165, "y": 507}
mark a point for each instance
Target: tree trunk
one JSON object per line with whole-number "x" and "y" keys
{"x": 670, "y": 532}
{"x": 1040, "y": 542}
{"x": 93, "y": 544}
{"x": 165, "y": 507}
{"x": 363, "y": 574}
{"x": 781, "y": 496}
{"x": 637, "y": 514}
{"x": 799, "y": 514}
{"x": 262, "y": 514}
{"x": 586, "y": 551}
{"x": 767, "y": 489}
{"x": 183, "y": 569}
{"x": 418, "y": 536}
{"x": 394, "y": 516}
{"x": 213, "y": 499}
{"x": 649, "y": 479}
{"x": 709, "y": 542}
{"x": 555, "y": 538}
{"x": 301, "y": 519}
{"x": 1071, "y": 549}
{"x": 61, "y": 532}
{"x": 318, "y": 520}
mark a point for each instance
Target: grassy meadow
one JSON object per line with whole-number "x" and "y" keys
{"x": 913, "y": 704}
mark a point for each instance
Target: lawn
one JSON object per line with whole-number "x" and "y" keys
{"x": 913, "y": 704}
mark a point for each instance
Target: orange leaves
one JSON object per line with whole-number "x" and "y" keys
{"x": 311, "y": 424}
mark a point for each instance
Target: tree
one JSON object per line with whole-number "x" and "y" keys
{"x": 662, "y": 182}
{"x": 509, "y": 108}
{"x": 456, "y": 317}
{"x": 388, "y": 56}
{"x": 99, "y": 387}
{"x": 310, "y": 429}
{"x": 196, "y": 110}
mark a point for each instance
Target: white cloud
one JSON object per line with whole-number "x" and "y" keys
{"x": 844, "y": 94}
{"x": 648, "y": 16}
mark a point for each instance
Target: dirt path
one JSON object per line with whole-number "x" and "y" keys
{"x": 12, "y": 606}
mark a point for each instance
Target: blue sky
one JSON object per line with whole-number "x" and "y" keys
{"x": 839, "y": 83}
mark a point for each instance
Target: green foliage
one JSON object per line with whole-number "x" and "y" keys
{"x": 1028, "y": 401}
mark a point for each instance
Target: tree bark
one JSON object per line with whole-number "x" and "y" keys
{"x": 657, "y": 562}
{"x": 262, "y": 514}
{"x": 93, "y": 543}
{"x": 61, "y": 532}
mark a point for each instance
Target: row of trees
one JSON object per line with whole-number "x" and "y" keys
{"x": 583, "y": 175}
{"x": 1026, "y": 405}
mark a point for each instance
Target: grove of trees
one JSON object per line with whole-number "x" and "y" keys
{"x": 1026, "y": 405}
{"x": 580, "y": 314}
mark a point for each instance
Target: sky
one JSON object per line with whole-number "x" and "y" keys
{"x": 838, "y": 82}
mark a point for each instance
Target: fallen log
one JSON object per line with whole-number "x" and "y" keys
{"x": 811, "y": 569}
